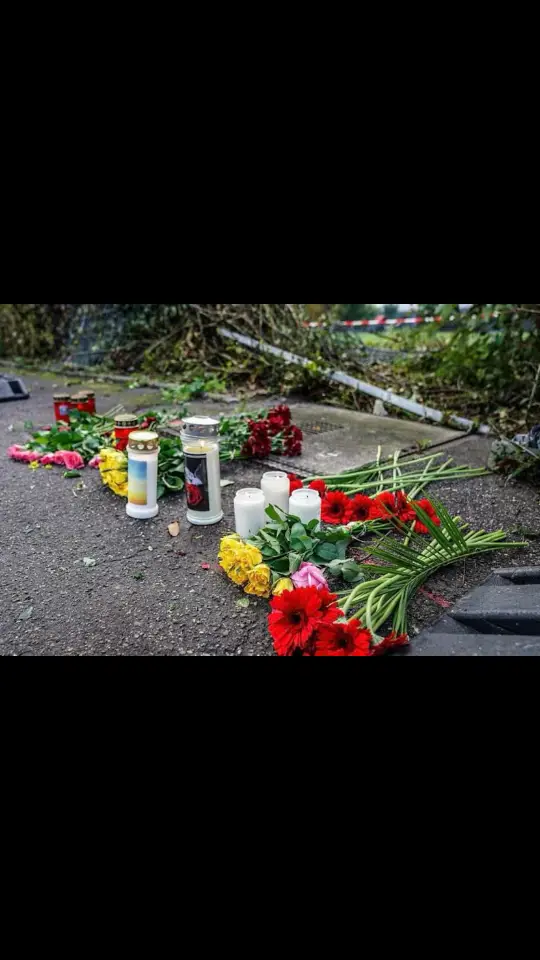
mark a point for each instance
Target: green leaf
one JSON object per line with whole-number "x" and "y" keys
{"x": 243, "y": 603}
{"x": 326, "y": 552}
{"x": 295, "y": 562}
{"x": 71, "y": 474}
{"x": 298, "y": 530}
{"x": 342, "y": 548}
{"x": 274, "y": 515}
{"x": 271, "y": 541}
{"x": 281, "y": 566}
{"x": 171, "y": 483}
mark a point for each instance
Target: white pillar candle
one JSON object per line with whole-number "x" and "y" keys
{"x": 276, "y": 488}
{"x": 249, "y": 507}
{"x": 306, "y": 505}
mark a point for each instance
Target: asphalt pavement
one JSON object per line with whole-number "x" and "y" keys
{"x": 79, "y": 578}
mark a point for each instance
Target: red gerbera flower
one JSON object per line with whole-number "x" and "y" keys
{"x": 391, "y": 642}
{"x": 329, "y": 611}
{"x": 335, "y": 507}
{"x": 428, "y": 508}
{"x": 320, "y": 486}
{"x": 295, "y": 483}
{"x": 392, "y": 506}
{"x": 360, "y": 508}
{"x": 282, "y": 413}
{"x": 295, "y": 616}
{"x": 343, "y": 640}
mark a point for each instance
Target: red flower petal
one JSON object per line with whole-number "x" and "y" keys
{"x": 335, "y": 507}
{"x": 294, "y": 620}
{"x": 360, "y": 509}
{"x": 391, "y": 642}
{"x": 343, "y": 640}
{"x": 319, "y": 486}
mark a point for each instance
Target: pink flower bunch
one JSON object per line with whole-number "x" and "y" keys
{"x": 23, "y": 456}
{"x": 63, "y": 458}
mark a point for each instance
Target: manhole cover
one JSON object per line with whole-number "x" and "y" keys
{"x": 317, "y": 427}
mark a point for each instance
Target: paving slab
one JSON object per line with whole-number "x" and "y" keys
{"x": 336, "y": 439}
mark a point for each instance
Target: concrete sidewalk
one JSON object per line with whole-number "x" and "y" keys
{"x": 150, "y": 595}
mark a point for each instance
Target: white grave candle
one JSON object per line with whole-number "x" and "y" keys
{"x": 306, "y": 504}
{"x": 249, "y": 507}
{"x": 276, "y": 488}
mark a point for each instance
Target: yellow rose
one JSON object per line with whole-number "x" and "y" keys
{"x": 230, "y": 542}
{"x": 228, "y": 551}
{"x": 113, "y": 470}
{"x": 283, "y": 586}
{"x": 252, "y": 556}
{"x": 259, "y": 581}
{"x": 239, "y": 572}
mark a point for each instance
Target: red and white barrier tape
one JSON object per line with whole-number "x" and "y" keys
{"x": 382, "y": 322}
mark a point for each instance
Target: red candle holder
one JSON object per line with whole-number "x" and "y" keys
{"x": 124, "y": 424}
{"x": 62, "y": 407}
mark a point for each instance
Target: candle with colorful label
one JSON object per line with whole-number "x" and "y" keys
{"x": 200, "y": 440}
{"x": 249, "y": 511}
{"x": 276, "y": 488}
{"x": 143, "y": 453}
{"x": 306, "y": 505}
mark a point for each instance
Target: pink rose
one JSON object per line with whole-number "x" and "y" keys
{"x": 68, "y": 459}
{"x": 309, "y": 576}
{"x": 47, "y": 460}
{"x": 72, "y": 461}
{"x": 14, "y": 452}
{"x": 18, "y": 453}
{"x": 95, "y": 462}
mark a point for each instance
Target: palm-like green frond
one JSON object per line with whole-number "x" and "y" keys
{"x": 386, "y": 596}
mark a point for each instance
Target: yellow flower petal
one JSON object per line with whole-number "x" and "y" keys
{"x": 283, "y": 586}
{"x": 259, "y": 581}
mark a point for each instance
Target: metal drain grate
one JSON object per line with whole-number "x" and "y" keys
{"x": 318, "y": 427}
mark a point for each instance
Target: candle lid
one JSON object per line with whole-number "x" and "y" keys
{"x": 142, "y": 441}
{"x": 275, "y": 475}
{"x": 202, "y": 428}
{"x": 308, "y": 494}
{"x": 250, "y": 493}
{"x": 124, "y": 420}
{"x": 62, "y": 396}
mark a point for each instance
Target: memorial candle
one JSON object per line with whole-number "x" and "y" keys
{"x": 306, "y": 505}
{"x": 276, "y": 489}
{"x": 249, "y": 507}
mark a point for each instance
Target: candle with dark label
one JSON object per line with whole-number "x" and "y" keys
{"x": 203, "y": 470}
